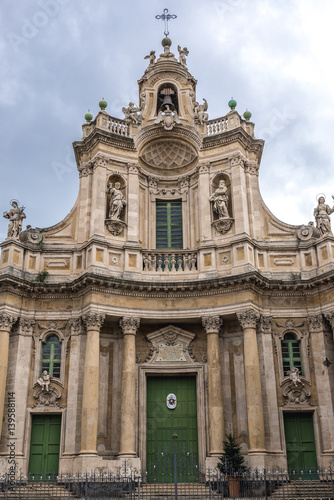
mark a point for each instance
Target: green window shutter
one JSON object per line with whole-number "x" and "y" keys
{"x": 51, "y": 356}
{"x": 169, "y": 224}
{"x": 291, "y": 355}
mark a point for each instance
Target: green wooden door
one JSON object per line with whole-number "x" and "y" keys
{"x": 163, "y": 423}
{"x": 300, "y": 443}
{"x": 44, "y": 445}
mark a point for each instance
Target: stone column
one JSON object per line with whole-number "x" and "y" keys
{"x": 129, "y": 326}
{"x": 323, "y": 383}
{"x": 212, "y": 325}
{"x": 90, "y": 396}
{"x": 6, "y": 323}
{"x": 248, "y": 320}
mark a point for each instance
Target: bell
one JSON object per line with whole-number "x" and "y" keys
{"x": 167, "y": 101}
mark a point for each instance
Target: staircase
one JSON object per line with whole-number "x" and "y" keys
{"x": 38, "y": 491}
{"x": 304, "y": 489}
{"x": 166, "y": 491}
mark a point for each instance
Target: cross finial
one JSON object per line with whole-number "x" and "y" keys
{"x": 165, "y": 16}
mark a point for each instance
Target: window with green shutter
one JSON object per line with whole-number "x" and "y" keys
{"x": 291, "y": 354}
{"x": 51, "y": 356}
{"x": 169, "y": 224}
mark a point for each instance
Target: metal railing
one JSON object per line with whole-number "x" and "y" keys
{"x": 178, "y": 480}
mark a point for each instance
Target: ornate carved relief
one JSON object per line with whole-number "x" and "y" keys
{"x": 168, "y": 154}
{"x": 330, "y": 318}
{"x": 170, "y": 344}
{"x": 222, "y": 226}
{"x": 296, "y": 389}
{"x": 26, "y": 326}
{"x": 315, "y": 323}
{"x": 45, "y": 391}
{"x": 85, "y": 168}
{"x": 265, "y": 324}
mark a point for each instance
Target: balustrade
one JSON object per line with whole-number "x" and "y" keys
{"x": 217, "y": 126}
{"x": 169, "y": 261}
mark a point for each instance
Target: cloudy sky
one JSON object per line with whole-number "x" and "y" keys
{"x": 60, "y": 57}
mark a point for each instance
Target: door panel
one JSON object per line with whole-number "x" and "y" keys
{"x": 45, "y": 443}
{"x": 163, "y": 423}
{"x": 300, "y": 443}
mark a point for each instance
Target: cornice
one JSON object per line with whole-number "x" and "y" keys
{"x": 250, "y": 144}
{"x": 165, "y": 289}
{"x": 99, "y": 136}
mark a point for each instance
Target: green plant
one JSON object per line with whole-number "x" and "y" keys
{"x": 232, "y": 460}
{"x": 42, "y": 276}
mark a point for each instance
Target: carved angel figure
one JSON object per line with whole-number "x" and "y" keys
{"x": 321, "y": 214}
{"x": 200, "y": 112}
{"x": 15, "y": 216}
{"x": 44, "y": 380}
{"x": 151, "y": 57}
{"x": 182, "y": 55}
{"x": 132, "y": 113}
{"x": 117, "y": 201}
{"x": 220, "y": 200}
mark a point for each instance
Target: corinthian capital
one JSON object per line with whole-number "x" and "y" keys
{"x": 212, "y": 324}
{"x": 93, "y": 321}
{"x": 129, "y": 325}
{"x": 315, "y": 323}
{"x": 248, "y": 318}
{"x": 26, "y": 326}
{"x": 330, "y": 318}
{"x": 265, "y": 324}
{"x": 7, "y": 321}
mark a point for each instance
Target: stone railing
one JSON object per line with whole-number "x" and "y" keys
{"x": 217, "y": 126}
{"x": 120, "y": 127}
{"x": 170, "y": 261}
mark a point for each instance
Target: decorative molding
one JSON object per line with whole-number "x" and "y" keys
{"x": 248, "y": 318}
{"x": 212, "y": 324}
{"x": 251, "y": 168}
{"x": 7, "y": 321}
{"x": 129, "y": 325}
{"x": 75, "y": 325}
{"x": 93, "y": 321}
{"x": 204, "y": 169}
{"x": 85, "y": 169}
{"x": 330, "y": 318}
{"x": 170, "y": 344}
{"x": 296, "y": 390}
{"x": 133, "y": 168}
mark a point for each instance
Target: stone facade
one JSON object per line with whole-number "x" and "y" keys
{"x": 218, "y": 307}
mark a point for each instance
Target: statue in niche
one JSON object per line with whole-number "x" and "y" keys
{"x": 117, "y": 201}
{"x": 151, "y": 57}
{"x": 132, "y": 113}
{"x": 220, "y": 200}
{"x": 321, "y": 214}
{"x": 44, "y": 380}
{"x": 200, "y": 112}
{"x": 15, "y": 216}
{"x": 183, "y": 53}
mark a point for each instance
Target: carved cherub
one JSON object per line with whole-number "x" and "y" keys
{"x": 132, "y": 113}
{"x": 151, "y": 57}
{"x": 294, "y": 376}
{"x": 44, "y": 380}
{"x": 182, "y": 55}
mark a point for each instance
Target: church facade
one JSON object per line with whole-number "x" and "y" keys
{"x": 170, "y": 305}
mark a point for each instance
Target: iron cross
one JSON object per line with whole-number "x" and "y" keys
{"x": 166, "y": 17}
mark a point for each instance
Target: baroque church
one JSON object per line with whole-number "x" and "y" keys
{"x": 170, "y": 303}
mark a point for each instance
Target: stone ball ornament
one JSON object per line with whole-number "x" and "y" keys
{"x": 166, "y": 42}
{"x": 103, "y": 104}
{"x": 247, "y": 115}
{"x": 232, "y": 103}
{"x": 88, "y": 117}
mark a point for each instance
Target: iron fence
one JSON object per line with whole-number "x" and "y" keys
{"x": 178, "y": 481}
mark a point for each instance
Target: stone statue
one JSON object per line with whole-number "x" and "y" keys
{"x": 132, "y": 113}
{"x": 15, "y": 216}
{"x": 294, "y": 376}
{"x": 151, "y": 57}
{"x": 220, "y": 200}
{"x": 321, "y": 214}
{"x": 44, "y": 380}
{"x": 200, "y": 112}
{"x": 182, "y": 55}
{"x": 117, "y": 201}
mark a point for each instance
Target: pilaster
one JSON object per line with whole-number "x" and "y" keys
{"x": 6, "y": 323}
{"x": 129, "y": 326}
{"x": 212, "y": 325}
